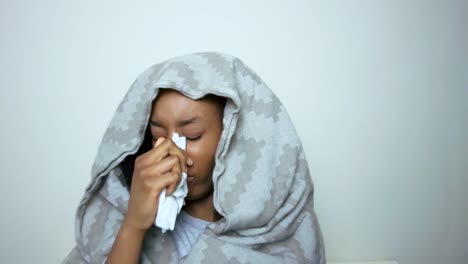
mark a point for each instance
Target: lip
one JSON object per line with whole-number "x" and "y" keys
{"x": 189, "y": 179}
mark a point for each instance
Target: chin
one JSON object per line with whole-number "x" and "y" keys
{"x": 195, "y": 193}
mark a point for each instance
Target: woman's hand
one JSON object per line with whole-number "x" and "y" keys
{"x": 157, "y": 169}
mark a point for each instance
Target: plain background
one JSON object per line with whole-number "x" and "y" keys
{"x": 377, "y": 91}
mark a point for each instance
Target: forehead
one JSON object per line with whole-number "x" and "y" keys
{"x": 171, "y": 104}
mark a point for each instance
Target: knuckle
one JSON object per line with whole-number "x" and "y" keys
{"x": 138, "y": 159}
{"x": 177, "y": 151}
{"x": 167, "y": 142}
{"x": 175, "y": 178}
{"x": 157, "y": 170}
{"x": 171, "y": 178}
{"x": 141, "y": 174}
{"x": 139, "y": 162}
{"x": 173, "y": 158}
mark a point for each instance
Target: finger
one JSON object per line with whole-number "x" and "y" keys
{"x": 165, "y": 148}
{"x": 159, "y": 141}
{"x": 176, "y": 171}
{"x": 156, "y": 154}
{"x": 165, "y": 165}
{"x": 168, "y": 180}
{"x": 164, "y": 182}
{"x": 181, "y": 154}
{"x": 173, "y": 186}
{"x": 143, "y": 158}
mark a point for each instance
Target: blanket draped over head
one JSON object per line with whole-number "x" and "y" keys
{"x": 262, "y": 186}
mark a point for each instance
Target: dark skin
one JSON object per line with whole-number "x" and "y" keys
{"x": 200, "y": 121}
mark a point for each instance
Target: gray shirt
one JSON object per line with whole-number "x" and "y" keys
{"x": 186, "y": 231}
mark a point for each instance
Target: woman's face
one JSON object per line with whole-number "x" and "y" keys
{"x": 200, "y": 121}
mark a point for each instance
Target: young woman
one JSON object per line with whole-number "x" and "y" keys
{"x": 250, "y": 195}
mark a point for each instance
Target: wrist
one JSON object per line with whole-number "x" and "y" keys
{"x": 129, "y": 229}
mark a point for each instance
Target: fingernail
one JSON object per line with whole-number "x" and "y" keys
{"x": 189, "y": 161}
{"x": 159, "y": 141}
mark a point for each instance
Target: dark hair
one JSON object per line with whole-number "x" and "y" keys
{"x": 128, "y": 164}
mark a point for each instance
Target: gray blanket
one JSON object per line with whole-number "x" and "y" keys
{"x": 262, "y": 186}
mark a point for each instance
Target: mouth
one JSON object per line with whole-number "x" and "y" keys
{"x": 189, "y": 179}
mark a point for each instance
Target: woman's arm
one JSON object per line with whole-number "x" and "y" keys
{"x": 158, "y": 169}
{"x": 127, "y": 245}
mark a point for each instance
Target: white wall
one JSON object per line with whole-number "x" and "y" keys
{"x": 377, "y": 90}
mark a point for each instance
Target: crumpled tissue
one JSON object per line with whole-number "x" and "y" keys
{"x": 170, "y": 206}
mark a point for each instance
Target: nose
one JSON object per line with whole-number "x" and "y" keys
{"x": 171, "y": 133}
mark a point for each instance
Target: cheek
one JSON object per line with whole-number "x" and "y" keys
{"x": 202, "y": 154}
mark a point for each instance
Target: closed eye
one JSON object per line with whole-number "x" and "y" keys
{"x": 193, "y": 138}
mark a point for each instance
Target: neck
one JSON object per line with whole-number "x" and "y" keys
{"x": 202, "y": 209}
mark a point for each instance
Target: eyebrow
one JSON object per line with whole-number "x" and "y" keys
{"x": 180, "y": 123}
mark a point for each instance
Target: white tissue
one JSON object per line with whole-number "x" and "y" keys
{"x": 170, "y": 206}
